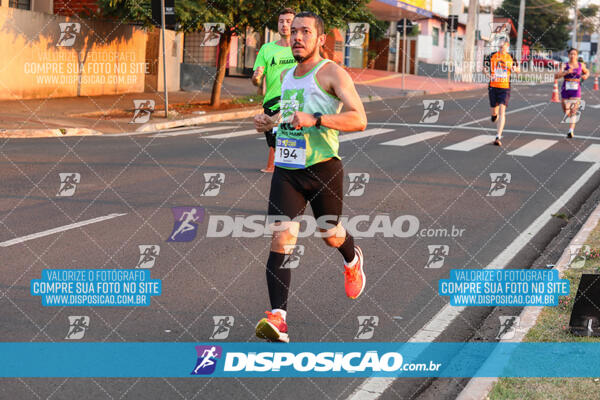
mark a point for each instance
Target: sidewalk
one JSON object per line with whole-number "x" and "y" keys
{"x": 110, "y": 114}
{"x": 389, "y": 84}
{"x": 113, "y": 113}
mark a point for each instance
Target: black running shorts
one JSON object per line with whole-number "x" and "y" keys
{"x": 269, "y": 135}
{"x": 321, "y": 184}
{"x": 498, "y": 96}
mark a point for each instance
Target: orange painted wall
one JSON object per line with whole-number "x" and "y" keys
{"x": 103, "y": 59}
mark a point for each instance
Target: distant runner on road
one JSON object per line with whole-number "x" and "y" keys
{"x": 498, "y": 70}
{"x": 308, "y": 167}
{"x": 273, "y": 58}
{"x": 573, "y": 73}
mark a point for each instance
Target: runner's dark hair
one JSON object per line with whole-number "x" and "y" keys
{"x": 571, "y": 49}
{"x": 318, "y": 20}
{"x": 287, "y": 10}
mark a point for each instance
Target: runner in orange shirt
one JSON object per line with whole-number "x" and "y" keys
{"x": 498, "y": 70}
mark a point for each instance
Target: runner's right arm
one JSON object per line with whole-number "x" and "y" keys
{"x": 258, "y": 75}
{"x": 259, "y": 67}
{"x": 561, "y": 73}
{"x": 263, "y": 122}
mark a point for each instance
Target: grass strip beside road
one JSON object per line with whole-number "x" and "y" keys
{"x": 552, "y": 326}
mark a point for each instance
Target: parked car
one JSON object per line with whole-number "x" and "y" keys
{"x": 560, "y": 59}
{"x": 545, "y": 62}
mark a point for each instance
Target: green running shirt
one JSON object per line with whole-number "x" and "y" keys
{"x": 304, "y": 93}
{"x": 275, "y": 59}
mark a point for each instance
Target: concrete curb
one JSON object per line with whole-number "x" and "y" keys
{"x": 409, "y": 93}
{"x": 202, "y": 119}
{"x": 158, "y": 126}
{"x": 229, "y": 115}
{"x": 39, "y": 133}
{"x": 479, "y": 388}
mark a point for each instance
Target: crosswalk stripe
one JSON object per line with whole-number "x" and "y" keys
{"x": 590, "y": 154}
{"x": 193, "y": 131}
{"x": 345, "y": 137}
{"x": 233, "y": 134}
{"x": 470, "y": 144}
{"x": 412, "y": 139}
{"x": 59, "y": 229}
{"x": 507, "y": 112}
{"x": 533, "y": 148}
{"x": 361, "y": 135}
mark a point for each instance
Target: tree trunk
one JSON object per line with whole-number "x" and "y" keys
{"x": 224, "y": 44}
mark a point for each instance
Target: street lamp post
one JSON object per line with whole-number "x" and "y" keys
{"x": 164, "y": 51}
{"x": 574, "y": 41}
{"x": 520, "y": 31}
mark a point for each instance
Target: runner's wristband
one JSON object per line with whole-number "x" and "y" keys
{"x": 318, "y": 116}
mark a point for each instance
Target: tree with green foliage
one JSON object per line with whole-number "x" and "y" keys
{"x": 546, "y": 22}
{"x": 237, "y": 15}
{"x": 589, "y": 19}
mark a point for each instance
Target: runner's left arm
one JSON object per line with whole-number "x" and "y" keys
{"x": 334, "y": 78}
{"x": 586, "y": 72}
{"x": 515, "y": 66}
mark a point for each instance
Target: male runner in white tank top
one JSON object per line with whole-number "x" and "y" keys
{"x": 307, "y": 165}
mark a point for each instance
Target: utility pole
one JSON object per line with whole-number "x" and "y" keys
{"x": 164, "y": 51}
{"x": 468, "y": 62}
{"x": 520, "y": 31}
{"x": 403, "y": 51}
{"x": 451, "y": 66}
{"x": 574, "y": 44}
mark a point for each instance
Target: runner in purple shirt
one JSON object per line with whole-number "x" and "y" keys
{"x": 573, "y": 73}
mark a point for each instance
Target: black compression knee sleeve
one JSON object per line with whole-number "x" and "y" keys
{"x": 278, "y": 280}
{"x": 347, "y": 248}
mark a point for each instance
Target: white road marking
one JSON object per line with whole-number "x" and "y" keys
{"x": 345, "y": 137}
{"x": 419, "y": 137}
{"x": 233, "y": 134}
{"x": 373, "y": 388}
{"x": 192, "y": 131}
{"x": 593, "y": 105}
{"x": 591, "y": 154}
{"x": 477, "y": 128}
{"x": 507, "y": 112}
{"x": 471, "y": 144}
{"x": 533, "y": 148}
{"x": 364, "y": 134}
{"x": 59, "y": 229}
{"x": 180, "y": 128}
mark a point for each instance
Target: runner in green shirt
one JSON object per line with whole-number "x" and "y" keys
{"x": 272, "y": 59}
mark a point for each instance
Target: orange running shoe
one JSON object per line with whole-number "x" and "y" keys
{"x": 355, "y": 277}
{"x": 272, "y": 328}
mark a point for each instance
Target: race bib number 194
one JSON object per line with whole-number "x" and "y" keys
{"x": 290, "y": 153}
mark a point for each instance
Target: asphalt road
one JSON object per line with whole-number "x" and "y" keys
{"x": 143, "y": 176}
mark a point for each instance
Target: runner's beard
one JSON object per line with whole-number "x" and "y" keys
{"x": 301, "y": 59}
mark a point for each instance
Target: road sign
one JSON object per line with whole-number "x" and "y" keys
{"x": 400, "y": 25}
{"x": 452, "y": 24}
{"x": 169, "y": 13}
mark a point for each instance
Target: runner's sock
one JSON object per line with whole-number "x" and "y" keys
{"x": 278, "y": 280}
{"x": 351, "y": 263}
{"x": 347, "y": 248}
{"x": 280, "y": 311}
